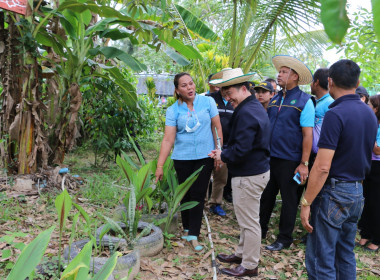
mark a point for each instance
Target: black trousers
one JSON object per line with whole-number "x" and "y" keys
{"x": 192, "y": 218}
{"x": 370, "y": 220}
{"x": 281, "y": 179}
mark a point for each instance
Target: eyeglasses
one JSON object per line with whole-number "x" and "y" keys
{"x": 196, "y": 126}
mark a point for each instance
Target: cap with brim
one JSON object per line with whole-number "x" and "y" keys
{"x": 232, "y": 77}
{"x": 265, "y": 85}
{"x": 304, "y": 73}
{"x": 219, "y": 74}
{"x": 361, "y": 91}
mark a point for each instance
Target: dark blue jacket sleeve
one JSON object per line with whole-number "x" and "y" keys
{"x": 244, "y": 136}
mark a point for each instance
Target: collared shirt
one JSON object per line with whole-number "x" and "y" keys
{"x": 349, "y": 128}
{"x": 322, "y": 107}
{"x": 374, "y": 156}
{"x": 288, "y": 115}
{"x": 197, "y": 144}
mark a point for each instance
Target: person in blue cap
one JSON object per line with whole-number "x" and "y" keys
{"x": 291, "y": 113}
{"x": 264, "y": 93}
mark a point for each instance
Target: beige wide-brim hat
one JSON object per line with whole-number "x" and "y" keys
{"x": 304, "y": 73}
{"x": 231, "y": 77}
{"x": 219, "y": 74}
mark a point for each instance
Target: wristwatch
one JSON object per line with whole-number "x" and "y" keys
{"x": 306, "y": 163}
{"x": 304, "y": 202}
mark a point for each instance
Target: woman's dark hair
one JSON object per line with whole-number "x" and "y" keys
{"x": 375, "y": 102}
{"x": 176, "y": 80}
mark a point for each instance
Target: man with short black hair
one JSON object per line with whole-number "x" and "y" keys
{"x": 273, "y": 83}
{"x": 319, "y": 88}
{"x": 247, "y": 156}
{"x": 334, "y": 189}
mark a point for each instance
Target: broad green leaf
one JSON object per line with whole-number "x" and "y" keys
{"x": 86, "y": 17}
{"x": 334, "y": 18}
{"x": 195, "y": 24}
{"x": 376, "y": 17}
{"x": 6, "y": 253}
{"x": 102, "y": 11}
{"x": 128, "y": 171}
{"x": 186, "y": 50}
{"x": 128, "y": 91}
{"x": 112, "y": 52}
{"x": 63, "y": 204}
{"x": 31, "y": 256}
{"x": 176, "y": 56}
{"x": 107, "y": 268}
{"x": 116, "y": 34}
{"x": 69, "y": 28}
{"x": 44, "y": 39}
{"x": 83, "y": 213}
{"x": 76, "y": 273}
{"x": 80, "y": 264}
{"x": 100, "y": 26}
{"x": 187, "y": 205}
{"x": 143, "y": 177}
{"x": 129, "y": 160}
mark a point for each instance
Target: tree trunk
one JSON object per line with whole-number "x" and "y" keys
{"x": 22, "y": 130}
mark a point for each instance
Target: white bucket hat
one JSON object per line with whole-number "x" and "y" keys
{"x": 230, "y": 77}
{"x": 304, "y": 73}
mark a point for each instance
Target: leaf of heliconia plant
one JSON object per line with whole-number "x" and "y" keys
{"x": 69, "y": 28}
{"x": 187, "y": 205}
{"x": 83, "y": 213}
{"x": 143, "y": 177}
{"x": 63, "y": 204}
{"x": 112, "y": 52}
{"x": 196, "y": 25}
{"x": 334, "y": 18}
{"x": 75, "y": 273}
{"x": 107, "y": 268}
{"x": 376, "y": 17}
{"x": 128, "y": 171}
{"x": 31, "y": 256}
{"x": 117, "y": 34}
{"x": 79, "y": 268}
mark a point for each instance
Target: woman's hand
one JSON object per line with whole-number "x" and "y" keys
{"x": 159, "y": 174}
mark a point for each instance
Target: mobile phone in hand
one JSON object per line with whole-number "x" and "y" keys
{"x": 297, "y": 178}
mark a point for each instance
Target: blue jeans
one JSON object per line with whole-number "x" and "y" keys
{"x": 334, "y": 216}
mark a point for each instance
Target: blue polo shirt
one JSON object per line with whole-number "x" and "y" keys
{"x": 200, "y": 142}
{"x": 322, "y": 107}
{"x": 349, "y": 128}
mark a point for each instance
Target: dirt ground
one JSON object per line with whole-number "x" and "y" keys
{"x": 31, "y": 213}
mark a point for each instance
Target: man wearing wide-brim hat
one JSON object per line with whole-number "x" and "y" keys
{"x": 291, "y": 113}
{"x": 247, "y": 157}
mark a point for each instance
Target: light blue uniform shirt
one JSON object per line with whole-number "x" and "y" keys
{"x": 322, "y": 107}
{"x": 308, "y": 114}
{"x": 197, "y": 144}
{"x": 374, "y": 156}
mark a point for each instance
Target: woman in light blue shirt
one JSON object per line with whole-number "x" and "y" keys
{"x": 190, "y": 126}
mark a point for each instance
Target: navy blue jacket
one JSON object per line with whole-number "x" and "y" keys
{"x": 286, "y": 131}
{"x": 247, "y": 152}
{"x": 225, "y": 114}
